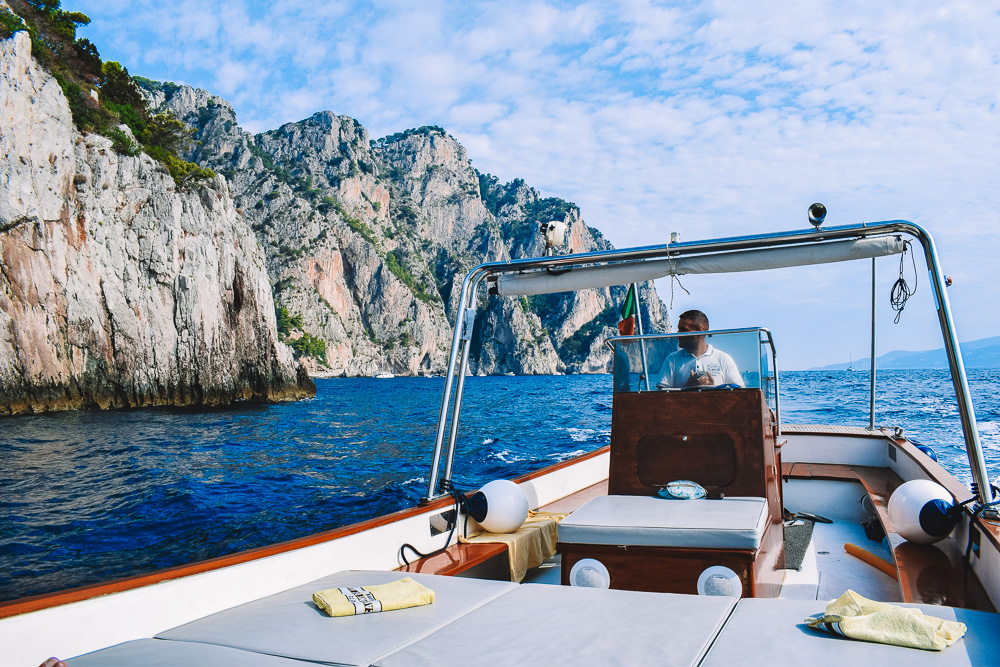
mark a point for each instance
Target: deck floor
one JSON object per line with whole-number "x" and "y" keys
{"x": 827, "y": 570}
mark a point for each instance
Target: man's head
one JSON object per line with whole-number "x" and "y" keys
{"x": 692, "y": 320}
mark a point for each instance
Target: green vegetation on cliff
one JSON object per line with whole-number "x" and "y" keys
{"x": 305, "y": 345}
{"x": 399, "y": 136}
{"x": 101, "y": 95}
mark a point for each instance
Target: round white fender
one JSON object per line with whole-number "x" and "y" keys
{"x": 919, "y": 511}
{"x": 499, "y": 507}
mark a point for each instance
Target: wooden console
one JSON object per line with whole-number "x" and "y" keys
{"x": 721, "y": 439}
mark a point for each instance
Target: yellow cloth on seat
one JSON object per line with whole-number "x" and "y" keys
{"x": 351, "y": 600}
{"x": 529, "y": 545}
{"x": 857, "y": 617}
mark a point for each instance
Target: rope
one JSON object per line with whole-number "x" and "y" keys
{"x": 461, "y": 506}
{"x": 673, "y": 277}
{"x": 977, "y": 510}
{"x": 900, "y": 290}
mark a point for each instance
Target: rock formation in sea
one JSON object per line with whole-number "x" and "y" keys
{"x": 119, "y": 288}
{"x": 367, "y": 242}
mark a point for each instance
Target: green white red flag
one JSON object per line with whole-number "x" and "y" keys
{"x": 628, "y": 312}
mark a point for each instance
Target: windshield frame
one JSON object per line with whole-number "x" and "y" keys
{"x": 765, "y": 337}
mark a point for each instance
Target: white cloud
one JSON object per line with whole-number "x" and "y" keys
{"x": 710, "y": 119}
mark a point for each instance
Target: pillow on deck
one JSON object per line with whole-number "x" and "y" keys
{"x": 157, "y": 653}
{"x": 730, "y": 523}
{"x": 773, "y": 633}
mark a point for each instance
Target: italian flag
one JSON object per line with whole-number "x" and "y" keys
{"x": 629, "y": 310}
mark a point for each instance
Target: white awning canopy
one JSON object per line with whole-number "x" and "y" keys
{"x": 624, "y": 273}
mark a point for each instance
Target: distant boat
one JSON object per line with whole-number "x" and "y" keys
{"x": 384, "y": 375}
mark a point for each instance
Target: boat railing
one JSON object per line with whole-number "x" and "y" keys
{"x": 559, "y": 273}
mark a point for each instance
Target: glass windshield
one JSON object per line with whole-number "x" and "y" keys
{"x": 673, "y": 362}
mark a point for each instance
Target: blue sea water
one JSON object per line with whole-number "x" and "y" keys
{"x": 92, "y": 496}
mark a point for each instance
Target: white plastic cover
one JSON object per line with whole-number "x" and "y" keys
{"x": 606, "y": 275}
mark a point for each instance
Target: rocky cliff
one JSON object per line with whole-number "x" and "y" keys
{"x": 367, "y": 242}
{"x": 117, "y": 288}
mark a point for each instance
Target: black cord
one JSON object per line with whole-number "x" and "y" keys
{"x": 900, "y": 290}
{"x": 977, "y": 510}
{"x": 461, "y": 505}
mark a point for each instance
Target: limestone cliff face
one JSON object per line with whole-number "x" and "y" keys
{"x": 367, "y": 241}
{"x": 116, "y": 288}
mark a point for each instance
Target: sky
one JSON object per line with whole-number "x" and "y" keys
{"x": 709, "y": 119}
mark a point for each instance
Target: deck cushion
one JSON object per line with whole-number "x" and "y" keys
{"x": 158, "y": 653}
{"x": 731, "y": 523}
{"x": 290, "y": 625}
{"x": 539, "y": 624}
{"x": 773, "y": 633}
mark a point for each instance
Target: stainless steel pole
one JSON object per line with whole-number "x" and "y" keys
{"x": 473, "y": 277}
{"x": 463, "y": 368}
{"x": 642, "y": 343}
{"x": 973, "y": 447}
{"x": 871, "y": 398}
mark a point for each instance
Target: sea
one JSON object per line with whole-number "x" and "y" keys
{"x": 88, "y": 497}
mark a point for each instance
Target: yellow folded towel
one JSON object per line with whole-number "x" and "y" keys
{"x": 852, "y": 615}
{"x": 351, "y": 600}
{"x": 529, "y": 545}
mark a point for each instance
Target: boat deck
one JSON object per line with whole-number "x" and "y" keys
{"x": 827, "y": 569}
{"x": 528, "y": 624}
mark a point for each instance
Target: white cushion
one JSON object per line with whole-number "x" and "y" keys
{"x": 161, "y": 653}
{"x": 290, "y": 625}
{"x": 730, "y": 523}
{"x": 545, "y": 625}
{"x": 773, "y": 633}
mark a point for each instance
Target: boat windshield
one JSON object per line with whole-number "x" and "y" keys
{"x": 704, "y": 360}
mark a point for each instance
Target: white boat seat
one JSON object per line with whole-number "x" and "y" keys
{"x": 772, "y": 632}
{"x": 290, "y": 625}
{"x": 540, "y": 624}
{"x": 159, "y": 653}
{"x": 730, "y": 523}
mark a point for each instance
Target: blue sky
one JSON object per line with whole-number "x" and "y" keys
{"x": 709, "y": 119}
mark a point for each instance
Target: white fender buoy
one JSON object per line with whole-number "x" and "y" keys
{"x": 499, "y": 507}
{"x": 919, "y": 511}
{"x": 589, "y": 573}
{"x": 721, "y": 581}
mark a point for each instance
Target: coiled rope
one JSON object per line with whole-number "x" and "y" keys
{"x": 900, "y": 290}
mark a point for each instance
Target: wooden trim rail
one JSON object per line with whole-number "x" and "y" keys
{"x": 927, "y": 573}
{"x": 457, "y": 558}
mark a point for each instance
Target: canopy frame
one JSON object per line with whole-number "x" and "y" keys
{"x": 458, "y": 362}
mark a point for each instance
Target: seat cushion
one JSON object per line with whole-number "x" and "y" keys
{"x": 731, "y": 523}
{"x": 545, "y": 625}
{"x": 159, "y": 653}
{"x": 773, "y": 632}
{"x": 290, "y": 625}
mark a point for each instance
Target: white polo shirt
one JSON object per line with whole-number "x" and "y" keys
{"x": 678, "y": 366}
